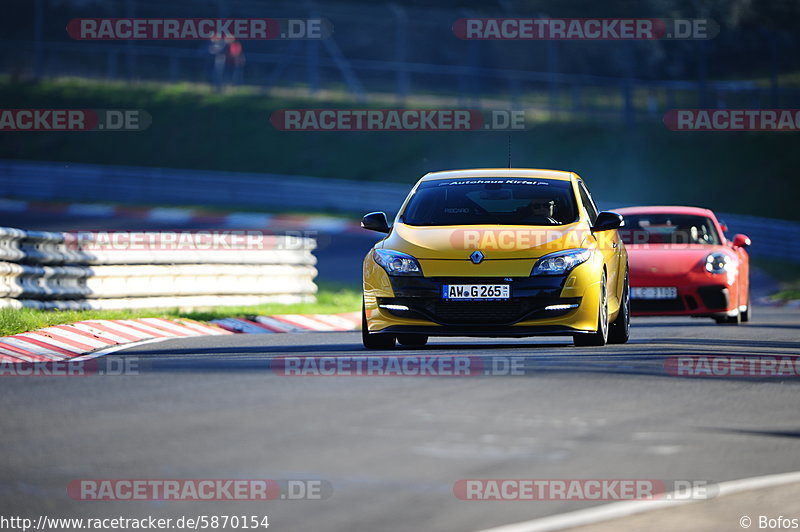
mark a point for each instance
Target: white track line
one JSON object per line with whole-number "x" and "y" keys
{"x": 616, "y": 510}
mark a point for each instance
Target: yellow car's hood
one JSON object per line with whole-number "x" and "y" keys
{"x": 494, "y": 241}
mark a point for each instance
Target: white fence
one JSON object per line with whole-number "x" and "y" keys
{"x": 152, "y": 270}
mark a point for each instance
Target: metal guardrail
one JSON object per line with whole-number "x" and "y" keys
{"x": 68, "y": 271}
{"x": 87, "y": 182}
{"x": 772, "y": 238}
{"x": 776, "y": 239}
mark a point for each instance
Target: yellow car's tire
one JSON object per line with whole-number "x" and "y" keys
{"x": 620, "y": 330}
{"x": 411, "y": 339}
{"x": 598, "y": 338}
{"x": 374, "y": 340}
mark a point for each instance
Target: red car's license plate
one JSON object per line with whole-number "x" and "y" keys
{"x": 654, "y": 292}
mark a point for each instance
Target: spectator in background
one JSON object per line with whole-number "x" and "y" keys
{"x": 652, "y": 103}
{"x": 235, "y": 59}
{"x": 217, "y": 47}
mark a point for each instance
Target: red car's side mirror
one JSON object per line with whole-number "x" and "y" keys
{"x": 741, "y": 241}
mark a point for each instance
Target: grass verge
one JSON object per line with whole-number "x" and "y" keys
{"x": 194, "y": 128}
{"x": 786, "y": 273}
{"x": 788, "y": 294}
{"x": 331, "y": 299}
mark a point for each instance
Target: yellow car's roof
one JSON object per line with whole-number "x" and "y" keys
{"x": 476, "y": 173}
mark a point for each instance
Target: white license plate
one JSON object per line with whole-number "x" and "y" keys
{"x": 654, "y": 292}
{"x": 471, "y": 292}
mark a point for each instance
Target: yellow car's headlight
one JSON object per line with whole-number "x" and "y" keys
{"x": 397, "y": 263}
{"x": 560, "y": 262}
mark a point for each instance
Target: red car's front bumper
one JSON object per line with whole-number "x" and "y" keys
{"x": 699, "y": 294}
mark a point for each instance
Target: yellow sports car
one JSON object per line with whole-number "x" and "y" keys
{"x": 496, "y": 253}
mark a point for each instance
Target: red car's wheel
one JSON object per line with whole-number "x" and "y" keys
{"x": 748, "y": 312}
{"x": 731, "y": 320}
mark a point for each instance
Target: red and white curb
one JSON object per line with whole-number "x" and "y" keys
{"x": 242, "y": 220}
{"x": 89, "y": 338}
{"x": 348, "y": 321}
{"x": 61, "y": 342}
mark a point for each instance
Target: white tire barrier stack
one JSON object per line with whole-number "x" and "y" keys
{"x": 152, "y": 270}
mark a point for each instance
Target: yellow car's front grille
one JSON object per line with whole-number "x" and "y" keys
{"x": 494, "y": 312}
{"x": 475, "y": 312}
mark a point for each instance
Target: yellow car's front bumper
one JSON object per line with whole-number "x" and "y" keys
{"x": 536, "y": 307}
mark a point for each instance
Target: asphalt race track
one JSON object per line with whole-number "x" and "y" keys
{"x": 392, "y": 447}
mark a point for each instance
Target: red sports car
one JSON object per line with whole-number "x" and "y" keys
{"x": 682, "y": 264}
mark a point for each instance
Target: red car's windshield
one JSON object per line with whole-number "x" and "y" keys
{"x": 666, "y": 228}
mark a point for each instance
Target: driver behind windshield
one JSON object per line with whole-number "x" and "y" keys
{"x": 539, "y": 210}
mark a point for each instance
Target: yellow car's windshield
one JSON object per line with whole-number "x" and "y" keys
{"x": 503, "y": 201}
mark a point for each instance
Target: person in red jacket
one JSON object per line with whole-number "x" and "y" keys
{"x": 234, "y": 59}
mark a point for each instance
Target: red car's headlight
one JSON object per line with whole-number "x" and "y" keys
{"x": 719, "y": 263}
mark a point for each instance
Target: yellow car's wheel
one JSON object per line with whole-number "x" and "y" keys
{"x": 620, "y": 330}
{"x": 374, "y": 340}
{"x": 412, "y": 339}
{"x": 600, "y": 336}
